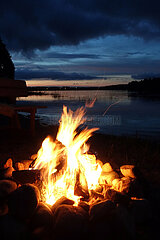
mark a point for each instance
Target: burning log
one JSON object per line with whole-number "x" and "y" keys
{"x": 26, "y": 176}
{"x": 23, "y": 201}
{"x": 96, "y": 195}
{"x": 117, "y": 197}
{"x": 85, "y": 206}
{"x": 79, "y": 190}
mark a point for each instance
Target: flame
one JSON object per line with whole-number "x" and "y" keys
{"x": 65, "y": 161}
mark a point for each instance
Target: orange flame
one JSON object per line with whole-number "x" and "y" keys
{"x": 69, "y": 153}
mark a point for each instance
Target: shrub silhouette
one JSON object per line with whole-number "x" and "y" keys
{"x": 7, "y": 69}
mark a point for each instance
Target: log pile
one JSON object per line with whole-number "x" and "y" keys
{"x": 124, "y": 207}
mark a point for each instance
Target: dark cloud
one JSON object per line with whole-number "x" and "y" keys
{"x": 28, "y": 25}
{"x": 71, "y": 55}
{"x": 50, "y": 74}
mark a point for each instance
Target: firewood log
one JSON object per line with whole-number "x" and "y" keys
{"x": 26, "y": 176}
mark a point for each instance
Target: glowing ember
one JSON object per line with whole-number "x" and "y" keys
{"x": 65, "y": 161}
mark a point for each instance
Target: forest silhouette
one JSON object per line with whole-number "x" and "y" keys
{"x": 7, "y": 69}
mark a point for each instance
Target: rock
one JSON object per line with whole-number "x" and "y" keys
{"x": 41, "y": 233}
{"x": 108, "y": 177}
{"x": 11, "y": 228}
{"x": 125, "y": 227}
{"x": 117, "y": 184}
{"x": 107, "y": 168}
{"x": 108, "y": 221}
{"x": 70, "y": 222}
{"x": 60, "y": 201}
{"x": 100, "y": 217}
{"x": 7, "y": 170}
{"x": 101, "y": 210}
{"x": 138, "y": 189}
{"x": 6, "y": 187}
{"x": 9, "y": 163}
{"x": 42, "y": 217}
{"x": 125, "y": 184}
{"x": 23, "y": 165}
{"x": 6, "y": 173}
{"x": 140, "y": 210}
{"x": 23, "y": 201}
{"x": 145, "y": 224}
{"x": 107, "y": 174}
{"x": 3, "y": 208}
{"x": 128, "y": 171}
{"x": 19, "y": 166}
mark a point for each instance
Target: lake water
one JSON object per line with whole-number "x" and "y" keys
{"x": 127, "y": 114}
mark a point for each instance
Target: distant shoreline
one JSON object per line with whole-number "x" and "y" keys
{"x": 151, "y": 85}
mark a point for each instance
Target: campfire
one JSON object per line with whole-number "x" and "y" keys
{"x": 64, "y": 189}
{"x": 65, "y": 166}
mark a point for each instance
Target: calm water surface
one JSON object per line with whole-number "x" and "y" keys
{"x": 127, "y": 114}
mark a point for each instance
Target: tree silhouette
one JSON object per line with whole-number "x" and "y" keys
{"x": 7, "y": 69}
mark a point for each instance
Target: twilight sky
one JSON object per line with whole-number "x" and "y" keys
{"x": 81, "y": 39}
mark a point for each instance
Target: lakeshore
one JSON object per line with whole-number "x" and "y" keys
{"x": 118, "y": 150}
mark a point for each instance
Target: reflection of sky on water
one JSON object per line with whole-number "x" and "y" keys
{"x": 103, "y": 80}
{"x": 131, "y": 115}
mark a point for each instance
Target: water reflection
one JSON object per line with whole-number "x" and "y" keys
{"x": 130, "y": 115}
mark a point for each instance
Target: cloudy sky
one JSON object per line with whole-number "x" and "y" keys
{"x": 81, "y": 39}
